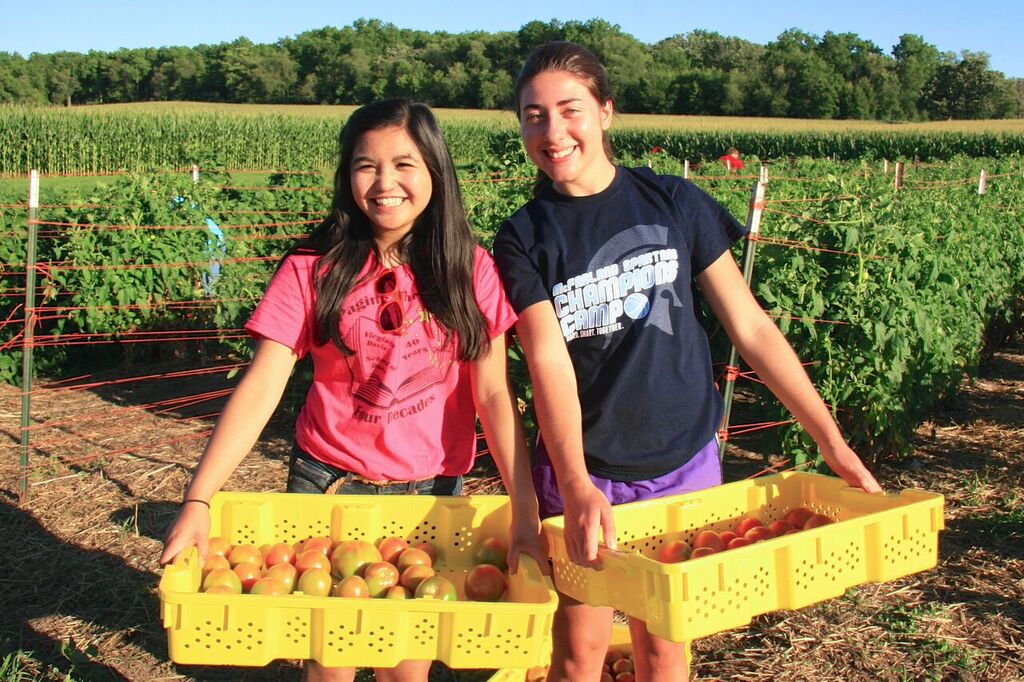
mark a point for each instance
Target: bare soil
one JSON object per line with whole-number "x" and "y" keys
{"x": 79, "y": 569}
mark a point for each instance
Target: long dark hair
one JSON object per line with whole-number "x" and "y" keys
{"x": 561, "y": 55}
{"x": 439, "y": 249}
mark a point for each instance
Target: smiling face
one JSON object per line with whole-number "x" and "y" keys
{"x": 563, "y": 126}
{"x": 390, "y": 183}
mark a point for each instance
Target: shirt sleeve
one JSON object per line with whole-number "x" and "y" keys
{"x": 490, "y": 294}
{"x": 710, "y": 228}
{"x": 520, "y": 275}
{"x": 285, "y": 314}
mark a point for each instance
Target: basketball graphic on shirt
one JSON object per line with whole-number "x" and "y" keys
{"x": 636, "y": 306}
{"x": 654, "y": 310}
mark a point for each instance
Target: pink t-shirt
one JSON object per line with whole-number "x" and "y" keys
{"x": 399, "y": 409}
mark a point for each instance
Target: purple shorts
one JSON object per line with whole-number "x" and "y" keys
{"x": 702, "y": 471}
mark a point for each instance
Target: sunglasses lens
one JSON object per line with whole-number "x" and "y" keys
{"x": 390, "y": 317}
{"x": 386, "y": 283}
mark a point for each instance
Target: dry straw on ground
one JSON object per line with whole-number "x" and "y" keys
{"x": 79, "y": 561}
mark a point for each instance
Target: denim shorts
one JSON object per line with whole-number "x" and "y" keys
{"x": 309, "y": 475}
{"x": 703, "y": 470}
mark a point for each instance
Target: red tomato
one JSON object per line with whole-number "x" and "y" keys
{"x": 485, "y": 582}
{"x": 735, "y": 543}
{"x": 746, "y": 523}
{"x": 221, "y": 589}
{"x": 492, "y": 550}
{"x": 249, "y": 572}
{"x": 708, "y": 538}
{"x": 758, "y": 533}
{"x": 816, "y": 521}
{"x": 411, "y": 557}
{"x": 243, "y": 553}
{"x": 280, "y": 553}
{"x": 430, "y": 550}
{"x": 798, "y": 517}
{"x": 214, "y": 561}
{"x": 380, "y": 577}
{"x": 353, "y": 587}
{"x": 316, "y": 582}
{"x": 323, "y": 544}
{"x": 412, "y": 576}
{"x": 225, "y": 577}
{"x": 437, "y": 587}
{"x": 391, "y": 547}
{"x": 702, "y": 551}
{"x": 623, "y": 665}
{"x": 673, "y": 552}
{"x": 397, "y": 592}
{"x": 351, "y": 557}
{"x": 286, "y": 573}
{"x": 269, "y": 586}
{"x": 217, "y": 545}
{"x": 311, "y": 558}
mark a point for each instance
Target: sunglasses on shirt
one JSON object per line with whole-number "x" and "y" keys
{"x": 389, "y": 316}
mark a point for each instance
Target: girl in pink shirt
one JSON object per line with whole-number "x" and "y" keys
{"x": 404, "y": 317}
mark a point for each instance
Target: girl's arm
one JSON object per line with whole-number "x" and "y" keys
{"x": 766, "y": 350}
{"x": 557, "y": 404}
{"x": 246, "y": 413}
{"x": 503, "y": 429}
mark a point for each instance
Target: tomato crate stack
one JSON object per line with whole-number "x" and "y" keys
{"x": 874, "y": 538}
{"x": 252, "y": 630}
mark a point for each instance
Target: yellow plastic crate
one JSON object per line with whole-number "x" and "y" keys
{"x": 877, "y": 538}
{"x": 620, "y": 642}
{"x": 252, "y": 630}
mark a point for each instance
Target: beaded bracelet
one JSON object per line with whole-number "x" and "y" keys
{"x": 195, "y": 499}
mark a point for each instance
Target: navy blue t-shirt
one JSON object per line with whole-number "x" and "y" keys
{"x": 617, "y": 266}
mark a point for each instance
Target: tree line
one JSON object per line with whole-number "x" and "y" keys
{"x": 838, "y": 75}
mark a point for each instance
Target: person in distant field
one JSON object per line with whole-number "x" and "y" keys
{"x": 404, "y": 316}
{"x": 731, "y": 160}
{"x": 599, "y": 266}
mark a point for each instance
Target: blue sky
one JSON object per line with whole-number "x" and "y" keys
{"x": 991, "y": 26}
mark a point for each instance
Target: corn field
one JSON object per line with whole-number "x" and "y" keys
{"x": 105, "y": 140}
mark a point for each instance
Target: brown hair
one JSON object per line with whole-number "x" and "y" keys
{"x": 572, "y": 58}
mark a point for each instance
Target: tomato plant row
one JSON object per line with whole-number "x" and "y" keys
{"x": 890, "y": 296}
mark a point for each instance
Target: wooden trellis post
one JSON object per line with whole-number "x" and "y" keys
{"x": 982, "y": 181}
{"x": 898, "y": 175}
{"x": 754, "y": 211}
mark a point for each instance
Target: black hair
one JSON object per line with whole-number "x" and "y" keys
{"x": 439, "y": 249}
